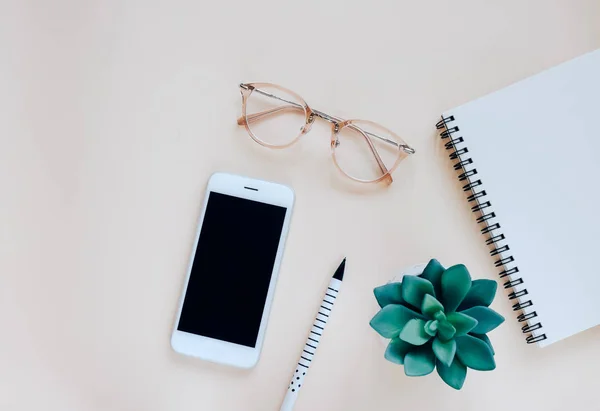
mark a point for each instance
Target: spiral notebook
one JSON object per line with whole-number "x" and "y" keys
{"x": 529, "y": 158}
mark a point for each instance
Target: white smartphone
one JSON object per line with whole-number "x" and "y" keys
{"x": 225, "y": 305}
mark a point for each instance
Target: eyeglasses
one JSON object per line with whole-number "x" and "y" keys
{"x": 362, "y": 150}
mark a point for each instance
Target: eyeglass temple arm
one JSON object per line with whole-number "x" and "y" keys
{"x": 407, "y": 149}
{"x": 251, "y": 118}
{"x": 257, "y": 116}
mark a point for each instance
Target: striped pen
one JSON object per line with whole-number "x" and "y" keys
{"x": 313, "y": 339}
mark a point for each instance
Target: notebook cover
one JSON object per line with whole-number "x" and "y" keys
{"x": 535, "y": 147}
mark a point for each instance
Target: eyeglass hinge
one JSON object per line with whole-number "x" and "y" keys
{"x": 407, "y": 149}
{"x": 246, "y": 86}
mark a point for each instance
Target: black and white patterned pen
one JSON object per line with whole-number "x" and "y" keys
{"x": 313, "y": 339}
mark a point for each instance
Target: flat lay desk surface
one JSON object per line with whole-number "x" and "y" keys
{"x": 114, "y": 114}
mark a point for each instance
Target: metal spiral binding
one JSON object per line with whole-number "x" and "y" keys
{"x": 459, "y": 153}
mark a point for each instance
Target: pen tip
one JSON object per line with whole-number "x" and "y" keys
{"x": 339, "y": 273}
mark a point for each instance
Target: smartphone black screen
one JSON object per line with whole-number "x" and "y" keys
{"x": 232, "y": 269}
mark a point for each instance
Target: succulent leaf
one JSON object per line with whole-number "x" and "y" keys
{"x": 396, "y": 351}
{"x": 474, "y": 353}
{"x": 391, "y": 319}
{"x": 487, "y": 319}
{"x": 456, "y": 283}
{"x": 440, "y": 316}
{"x": 454, "y": 375}
{"x": 462, "y": 322}
{"x": 444, "y": 351}
{"x": 419, "y": 362}
{"x": 431, "y": 305}
{"x": 482, "y": 292}
{"x": 389, "y": 294}
{"x": 414, "y": 332}
{"x": 433, "y": 272}
{"x": 486, "y": 340}
{"x": 431, "y": 327}
{"x": 414, "y": 289}
{"x": 446, "y": 331}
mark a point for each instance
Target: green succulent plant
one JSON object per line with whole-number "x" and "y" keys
{"x": 438, "y": 319}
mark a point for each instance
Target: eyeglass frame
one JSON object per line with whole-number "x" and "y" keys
{"x": 337, "y": 124}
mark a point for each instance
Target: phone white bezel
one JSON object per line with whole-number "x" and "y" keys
{"x": 219, "y": 351}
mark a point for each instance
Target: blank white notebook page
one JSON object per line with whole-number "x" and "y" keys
{"x": 536, "y": 148}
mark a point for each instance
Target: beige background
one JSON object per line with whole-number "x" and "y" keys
{"x": 113, "y": 114}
